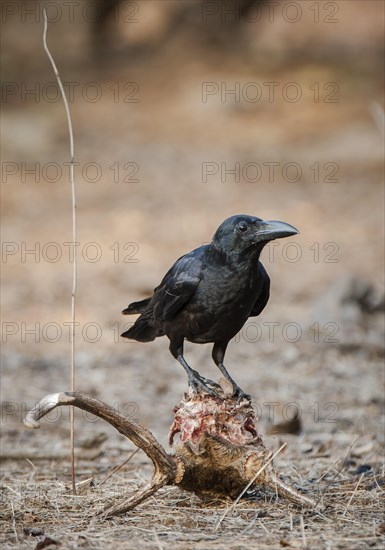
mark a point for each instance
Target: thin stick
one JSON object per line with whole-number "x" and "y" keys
{"x": 263, "y": 527}
{"x": 328, "y": 470}
{"x": 341, "y": 469}
{"x": 354, "y": 492}
{"x": 117, "y": 468}
{"x": 74, "y": 267}
{"x": 14, "y": 524}
{"x": 248, "y": 486}
{"x": 304, "y": 543}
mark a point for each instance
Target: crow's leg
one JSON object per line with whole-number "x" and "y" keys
{"x": 195, "y": 380}
{"x": 218, "y": 355}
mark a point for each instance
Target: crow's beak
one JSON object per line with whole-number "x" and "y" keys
{"x": 270, "y": 230}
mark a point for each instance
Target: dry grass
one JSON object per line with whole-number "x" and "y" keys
{"x": 36, "y": 495}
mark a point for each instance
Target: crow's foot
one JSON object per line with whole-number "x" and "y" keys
{"x": 197, "y": 383}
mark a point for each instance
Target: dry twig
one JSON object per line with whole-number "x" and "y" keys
{"x": 74, "y": 264}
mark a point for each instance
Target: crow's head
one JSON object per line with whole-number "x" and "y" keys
{"x": 244, "y": 233}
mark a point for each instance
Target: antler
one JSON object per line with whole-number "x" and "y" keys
{"x": 166, "y": 468}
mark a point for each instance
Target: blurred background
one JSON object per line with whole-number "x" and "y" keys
{"x": 185, "y": 113}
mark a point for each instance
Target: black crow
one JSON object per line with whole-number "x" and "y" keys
{"x": 209, "y": 293}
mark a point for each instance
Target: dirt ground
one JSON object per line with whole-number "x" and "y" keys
{"x": 166, "y": 152}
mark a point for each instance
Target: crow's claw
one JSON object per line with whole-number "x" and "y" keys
{"x": 240, "y": 394}
{"x": 209, "y": 382}
{"x": 197, "y": 383}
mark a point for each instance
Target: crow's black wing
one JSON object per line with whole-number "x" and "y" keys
{"x": 178, "y": 285}
{"x": 264, "y": 295}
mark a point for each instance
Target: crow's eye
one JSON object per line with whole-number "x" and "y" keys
{"x": 242, "y": 226}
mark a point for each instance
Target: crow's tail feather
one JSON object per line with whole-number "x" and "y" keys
{"x": 142, "y": 332}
